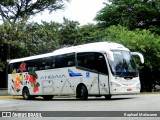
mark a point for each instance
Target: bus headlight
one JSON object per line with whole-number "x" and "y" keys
{"x": 115, "y": 84}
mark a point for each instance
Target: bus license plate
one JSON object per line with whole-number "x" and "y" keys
{"x": 129, "y": 89}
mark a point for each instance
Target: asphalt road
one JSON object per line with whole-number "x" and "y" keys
{"x": 141, "y": 102}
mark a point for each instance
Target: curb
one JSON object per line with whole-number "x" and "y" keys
{"x": 11, "y": 97}
{"x": 150, "y": 93}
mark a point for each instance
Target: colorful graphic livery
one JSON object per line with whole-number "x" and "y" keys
{"x": 95, "y": 69}
{"x": 29, "y": 78}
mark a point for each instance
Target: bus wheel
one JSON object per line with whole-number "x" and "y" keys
{"x": 107, "y": 97}
{"x": 84, "y": 93}
{"x": 26, "y": 94}
{"x": 48, "y": 97}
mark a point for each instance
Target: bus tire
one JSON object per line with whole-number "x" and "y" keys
{"x": 107, "y": 97}
{"x": 78, "y": 96}
{"x": 26, "y": 94}
{"x": 48, "y": 97}
{"x": 84, "y": 93}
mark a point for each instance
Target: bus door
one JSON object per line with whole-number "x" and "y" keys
{"x": 87, "y": 62}
{"x": 94, "y": 65}
{"x": 103, "y": 78}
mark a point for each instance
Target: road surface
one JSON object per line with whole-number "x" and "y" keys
{"x": 141, "y": 102}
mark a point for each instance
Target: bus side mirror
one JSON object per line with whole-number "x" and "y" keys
{"x": 140, "y": 56}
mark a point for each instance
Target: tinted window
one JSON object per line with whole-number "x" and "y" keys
{"x": 102, "y": 66}
{"x": 87, "y": 60}
{"x": 17, "y": 67}
{"x": 47, "y": 63}
{"x": 41, "y": 64}
{"x": 66, "y": 60}
{"x": 11, "y": 68}
{"x": 92, "y": 61}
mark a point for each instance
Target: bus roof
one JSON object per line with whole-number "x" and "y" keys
{"x": 96, "y": 47}
{"x": 90, "y": 47}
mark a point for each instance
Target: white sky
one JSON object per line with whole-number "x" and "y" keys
{"x": 82, "y": 11}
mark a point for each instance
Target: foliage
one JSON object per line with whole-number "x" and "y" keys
{"x": 16, "y": 10}
{"x": 91, "y": 33}
{"x": 130, "y": 13}
{"x": 42, "y": 38}
{"x": 69, "y": 33}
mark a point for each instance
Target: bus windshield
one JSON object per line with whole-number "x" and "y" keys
{"x": 122, "y": 64}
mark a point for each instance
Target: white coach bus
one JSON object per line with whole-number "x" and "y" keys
{"x": 95, "y": 69}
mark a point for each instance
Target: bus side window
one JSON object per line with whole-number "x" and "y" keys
{"x": 53, "y": 65}
{"x": 29, "y": 69}
{"x": 34, "y": 68}
{"x": 70, "y": 59}
{"x": 48, "y": 62}
{"x": 101, "y": 64}
{"x": 92, "y": 61}
{"x": 16, "y": 67}
{"x": 11, "y": 68}
{"x": 45, "y": 63}
{"x": 53, "y": 62}
{"x": 71, "y": 63}
{"x": 59, "y": 61}
{"x": 18, "y": 70}
{"x": 41, "y": 68}
{"x": 87, "y": 60}
{"x": 65, "y": 60}
{"x": 47, "y": 67}
{"x": 32, "y": 65}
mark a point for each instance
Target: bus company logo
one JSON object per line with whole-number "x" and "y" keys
{"x": 87, "y": 74}
{"x": 73, "y": 74}
{"x": 50, "y": 77}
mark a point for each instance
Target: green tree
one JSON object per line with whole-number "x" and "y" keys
{"x": 130, "y": 13}
{"x": 16, "y": 10}
{"x": 43, "y": 38}
{"x": 69, "y": 33}
{"x": 90, "y": 33}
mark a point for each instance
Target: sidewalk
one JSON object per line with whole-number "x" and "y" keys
{"x": 3, "y": 92}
